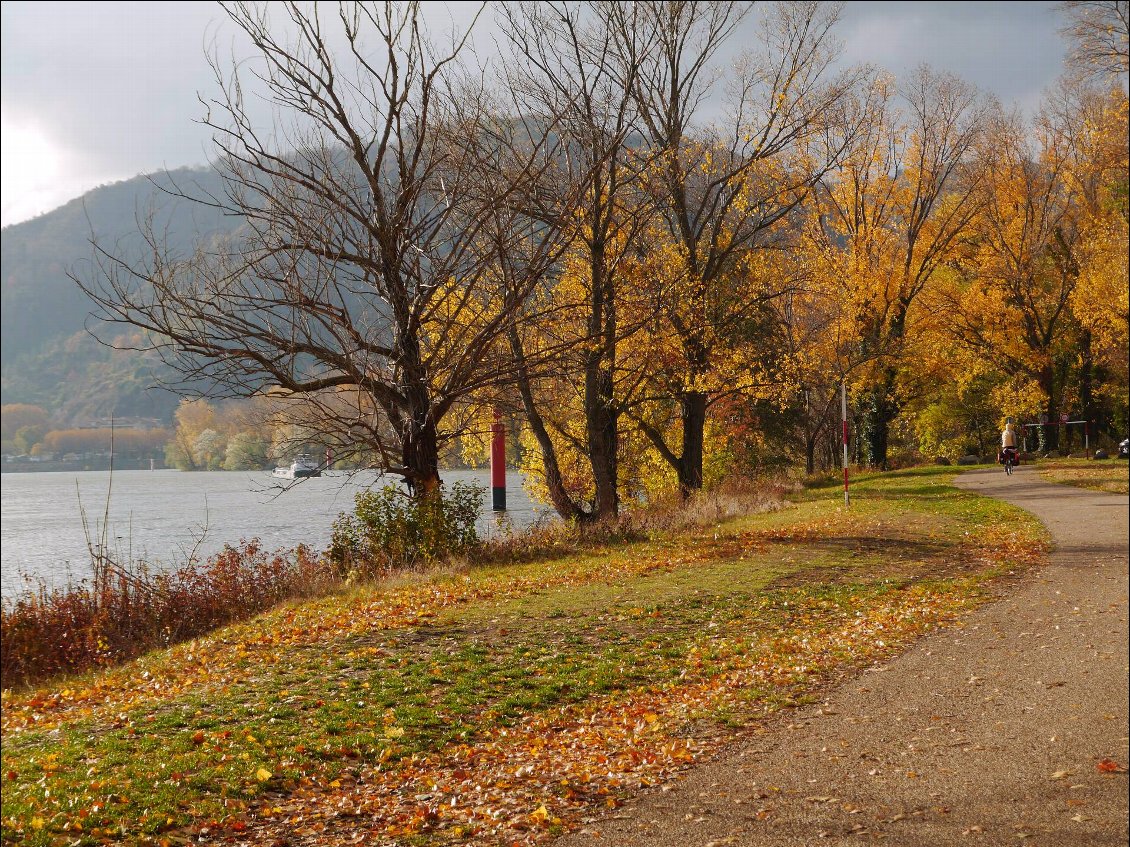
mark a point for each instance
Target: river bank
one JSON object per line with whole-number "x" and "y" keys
{"x": 501, "y": 701}
{"x": 164, "y": 517}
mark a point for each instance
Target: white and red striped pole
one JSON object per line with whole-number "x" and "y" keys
{"x": 498, "y": 463}
{"x": 843, "y": 407}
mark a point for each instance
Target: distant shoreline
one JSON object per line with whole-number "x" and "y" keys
{"x": 104, "y": 465}
{"x": 92, "y": 465}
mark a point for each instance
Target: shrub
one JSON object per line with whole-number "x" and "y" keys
{"x": 392, "y": 530}
{"x": 123, "y": 612}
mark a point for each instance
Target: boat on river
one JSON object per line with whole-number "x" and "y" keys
{"x": 302, "y": 467}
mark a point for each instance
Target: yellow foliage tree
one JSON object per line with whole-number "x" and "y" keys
{"x": 888, "y": 220}
{"x": 1046, "y": 226}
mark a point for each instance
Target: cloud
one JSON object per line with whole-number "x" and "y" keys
{"x": 109, "y": 90}
{"x": 116, "y": 81}
{"x": 1011, "y": 50}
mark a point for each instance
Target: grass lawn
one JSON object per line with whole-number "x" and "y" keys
{"x": 1110, "y": 475}
{"x": 501, "y": 702}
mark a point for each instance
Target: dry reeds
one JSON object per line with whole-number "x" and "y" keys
{"x": 123, "y": 611}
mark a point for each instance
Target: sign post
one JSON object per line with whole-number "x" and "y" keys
{"x": 843, "y": 410}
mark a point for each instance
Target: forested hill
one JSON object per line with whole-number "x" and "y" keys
{"x": 48, "y": 357}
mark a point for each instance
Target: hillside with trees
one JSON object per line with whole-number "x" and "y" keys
{"x": 49, "y": 358}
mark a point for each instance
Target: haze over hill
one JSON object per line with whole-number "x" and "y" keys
{"x": 49, "y": 357}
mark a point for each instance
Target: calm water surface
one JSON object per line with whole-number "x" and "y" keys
{"x": 159, "y": 516}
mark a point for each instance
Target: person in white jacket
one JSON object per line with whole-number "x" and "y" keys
{"x": 1010, "y": 441}
{"x": 1009, "y": 436}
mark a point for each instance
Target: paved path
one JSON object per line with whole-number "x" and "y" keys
{"x": 988, "y": 733}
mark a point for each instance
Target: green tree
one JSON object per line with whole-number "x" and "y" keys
{"x": 27, "y": 437}
{"x": 247, "y": 451}
{"x": 16, "y": 416}
{"x": 208, "y": 450}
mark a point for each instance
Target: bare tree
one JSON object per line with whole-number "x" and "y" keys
{"x": 566, "y": 65}
{"x": 388, "y": 240}
{"x": 1097, "y": 34}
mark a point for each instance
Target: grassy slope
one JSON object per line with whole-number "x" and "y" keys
{"x": 1111, "y": 476}
{"x": 463, "y": 706}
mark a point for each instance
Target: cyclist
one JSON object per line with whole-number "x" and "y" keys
{"x": 1010, "y": 454}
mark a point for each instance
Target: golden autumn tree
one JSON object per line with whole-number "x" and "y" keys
{"x": 888, "y": 220}
{"x": 724, "y": 190}
{"x": 819, "y": 342}
{"x": 566, "y": 348}
{"x": 570, "y": 381}
{"x": 1100, "y": 299}
{"x": 1041, "y": 201}
{"x": 747, "y": 364}
{"x": 1097, "y": 39}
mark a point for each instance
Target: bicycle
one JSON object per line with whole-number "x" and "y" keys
{"x": 1009, "y": 461}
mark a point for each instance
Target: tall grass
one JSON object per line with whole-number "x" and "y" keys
{"x": 666, "y": 515}
{"x": 124, "y": 611}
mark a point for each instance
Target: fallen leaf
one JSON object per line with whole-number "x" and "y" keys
{"x": 1109, "y": 766}
{"x": 263, "y": 774}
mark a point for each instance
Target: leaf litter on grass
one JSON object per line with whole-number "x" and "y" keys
{"x": 495, "y": 704}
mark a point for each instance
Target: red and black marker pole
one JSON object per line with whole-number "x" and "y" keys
{"x": 498, "y": 463}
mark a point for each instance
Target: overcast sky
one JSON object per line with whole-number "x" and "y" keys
{"x": 96, "y": 92}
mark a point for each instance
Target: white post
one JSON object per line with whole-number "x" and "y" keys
{"x": 843, "y": 408}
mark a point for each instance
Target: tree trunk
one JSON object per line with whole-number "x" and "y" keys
{"x": 876, "y": 429}
{"x": 420, "y": 455}
{"x": 810, "y": 434}
{"x": 1087, "y": 381}
{"x": 694, "y": 427}
{"x": 600, "y": 403}
{"x": 1049, "y": 434}
{"x": 554, "y": 483}
{"x": 600, "y": 425}
{"x": 876, "y": 417}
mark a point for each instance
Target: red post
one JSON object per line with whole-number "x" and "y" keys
{"x": 498, "y": 463}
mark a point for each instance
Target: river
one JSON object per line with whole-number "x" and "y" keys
{"x": 160, "y": 516}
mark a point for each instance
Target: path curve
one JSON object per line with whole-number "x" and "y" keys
{"x": 989, "y": 733}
